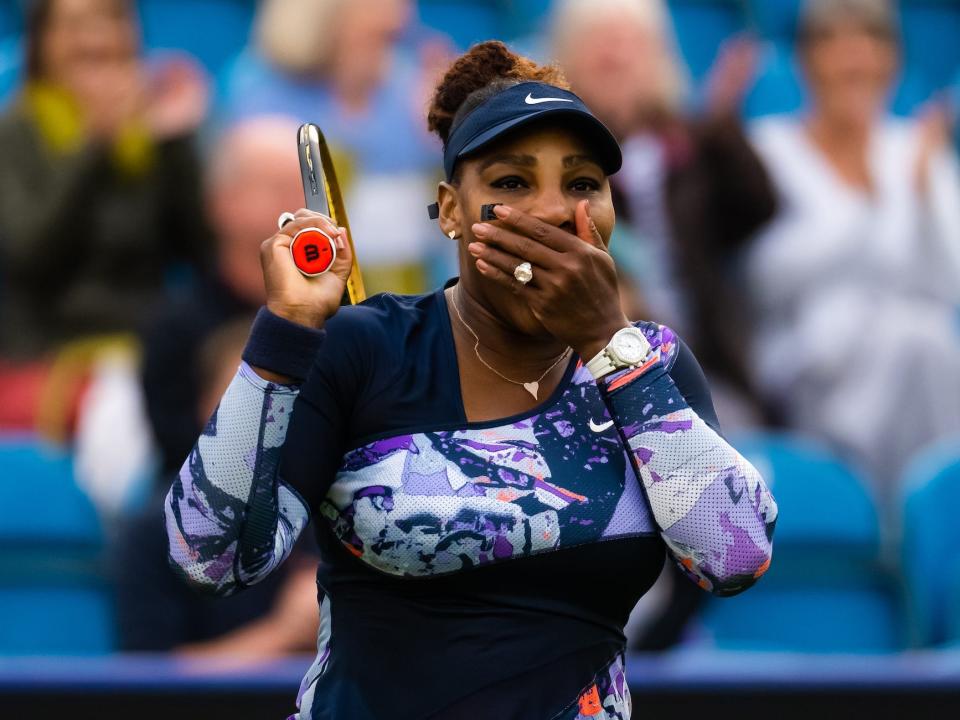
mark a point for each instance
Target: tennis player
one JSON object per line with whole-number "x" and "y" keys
{"x": 495, "y": 469}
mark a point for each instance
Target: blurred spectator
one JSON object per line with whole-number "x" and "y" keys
{"x": 253, "y": 176}
{"x": 98, "y": 197}
{"x": 692, "y": 191}
{"x": 856, "y": 283}
{"x": 341, "y": 65}
{"x": 157, "y": 611}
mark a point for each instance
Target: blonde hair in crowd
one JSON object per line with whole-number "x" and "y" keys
{"x": 296, "y": 35}
{"x": 569, "y": 17}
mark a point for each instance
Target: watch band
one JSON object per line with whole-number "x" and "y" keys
{"x": 600, "y": 365}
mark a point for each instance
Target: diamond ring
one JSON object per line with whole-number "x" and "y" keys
{"x": 523, "y": 273}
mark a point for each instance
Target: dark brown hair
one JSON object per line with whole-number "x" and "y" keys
{"x": 481, "y": 72}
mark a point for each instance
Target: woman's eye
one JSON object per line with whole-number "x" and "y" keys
{"x": 508, "y": 183}
{"x": 584, "y": 185}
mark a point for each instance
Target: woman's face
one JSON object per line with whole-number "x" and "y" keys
{"x": 544, "y": 172}
{"x": 850, "y": 72}
{"x": 84, "y": 34}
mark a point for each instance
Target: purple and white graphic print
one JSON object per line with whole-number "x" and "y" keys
{"x": 230, "y": 475}
{"x": 713, "y": 509}
{"x": 606, "y": 698}
{"x": 437, "y": 502}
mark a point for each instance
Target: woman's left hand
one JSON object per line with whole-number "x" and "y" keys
{"x": 573, "y": 292}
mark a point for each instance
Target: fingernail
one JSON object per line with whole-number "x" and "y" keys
{"x": 482, "y": 266}
{"x": 501, "y": 211}
{"x": 475, "y": 248}
{"x": 481, "y": 229}
{"x": 340, "y": 243}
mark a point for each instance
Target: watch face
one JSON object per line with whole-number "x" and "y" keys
{"x": 630, "y": 346}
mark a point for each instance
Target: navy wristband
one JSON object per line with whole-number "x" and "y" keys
{"x": 282, "y": 346}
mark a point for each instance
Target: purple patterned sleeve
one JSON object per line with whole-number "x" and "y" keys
{"x": 230, "y": 520}
{"x": 714, "y": 511}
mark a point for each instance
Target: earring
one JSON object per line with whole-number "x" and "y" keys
{"x": 452, "y": 234}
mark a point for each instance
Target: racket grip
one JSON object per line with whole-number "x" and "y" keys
{"x": 313, "y": 251}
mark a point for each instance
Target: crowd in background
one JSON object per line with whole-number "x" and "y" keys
{"x": 811, "y": 260}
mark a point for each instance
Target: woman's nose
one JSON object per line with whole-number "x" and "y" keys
{"x": 553, "y": 208}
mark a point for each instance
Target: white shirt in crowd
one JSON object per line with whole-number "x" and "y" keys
{"x": 856, "y": 292}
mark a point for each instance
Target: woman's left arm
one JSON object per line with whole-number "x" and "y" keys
{"x": 713, "y": 509}
{"x": 711, "y": 506}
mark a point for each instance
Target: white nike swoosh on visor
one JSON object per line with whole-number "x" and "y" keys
{"x": 530, "y": 100}
{"x": 600, "y": 428}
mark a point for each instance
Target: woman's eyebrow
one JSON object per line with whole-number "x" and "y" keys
{"x": 509, "y": 159}
{"x": 574, "y": 160}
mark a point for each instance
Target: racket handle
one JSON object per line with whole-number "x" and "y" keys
{"x": 313, "y": 251}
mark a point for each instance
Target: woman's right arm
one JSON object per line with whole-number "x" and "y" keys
{"x": 230, "y": 519}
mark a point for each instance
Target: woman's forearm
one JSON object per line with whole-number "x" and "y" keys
{"x": 230, "y": 519}
{"x": 712, "y": 508}
{"x": 230, "y": 522}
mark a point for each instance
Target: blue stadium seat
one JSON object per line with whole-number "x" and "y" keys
{"x": 952, "y": 639}
{"x": 39, "y": 501}
{"x": 931, "y": 536}
{"x": 11, "y": 22}
{"x": 778, "y": 87}
{"x": 930, "y": 30}
{"x": 465, "y": 21}
{"x": 213, "y": 31}
{"x": 11, "y": 61}
{"x": 56, "y": 621}
{"x": 953, "y": 98}
{"x": 825, "y": 590}
{"x": 701, "y": 27}
{"x": 53, "y": 599}
{"x": 524, "y": 17}
{"x": 774, "y": 19}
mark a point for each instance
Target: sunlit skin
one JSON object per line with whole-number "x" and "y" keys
{"x": 557, "y": 214}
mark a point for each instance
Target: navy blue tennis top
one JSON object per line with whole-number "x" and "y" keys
{"x": 469, "y": 569}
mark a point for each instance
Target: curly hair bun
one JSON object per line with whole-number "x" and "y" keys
{"x": 484, "y": 64}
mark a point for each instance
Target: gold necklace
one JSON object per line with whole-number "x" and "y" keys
{"x": 531, "y": 387}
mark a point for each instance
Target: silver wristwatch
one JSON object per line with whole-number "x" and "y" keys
{"x": 627, "y": 348}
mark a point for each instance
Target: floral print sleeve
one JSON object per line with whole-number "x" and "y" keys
{"x": 711, "y": 507}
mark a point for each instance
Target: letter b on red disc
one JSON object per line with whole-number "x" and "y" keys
{"x": 313, "y": 251}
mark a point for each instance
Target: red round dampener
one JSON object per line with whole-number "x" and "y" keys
{"x": 313, "y": 251}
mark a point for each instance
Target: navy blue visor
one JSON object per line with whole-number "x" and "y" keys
{"x": 520, "y": 105}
